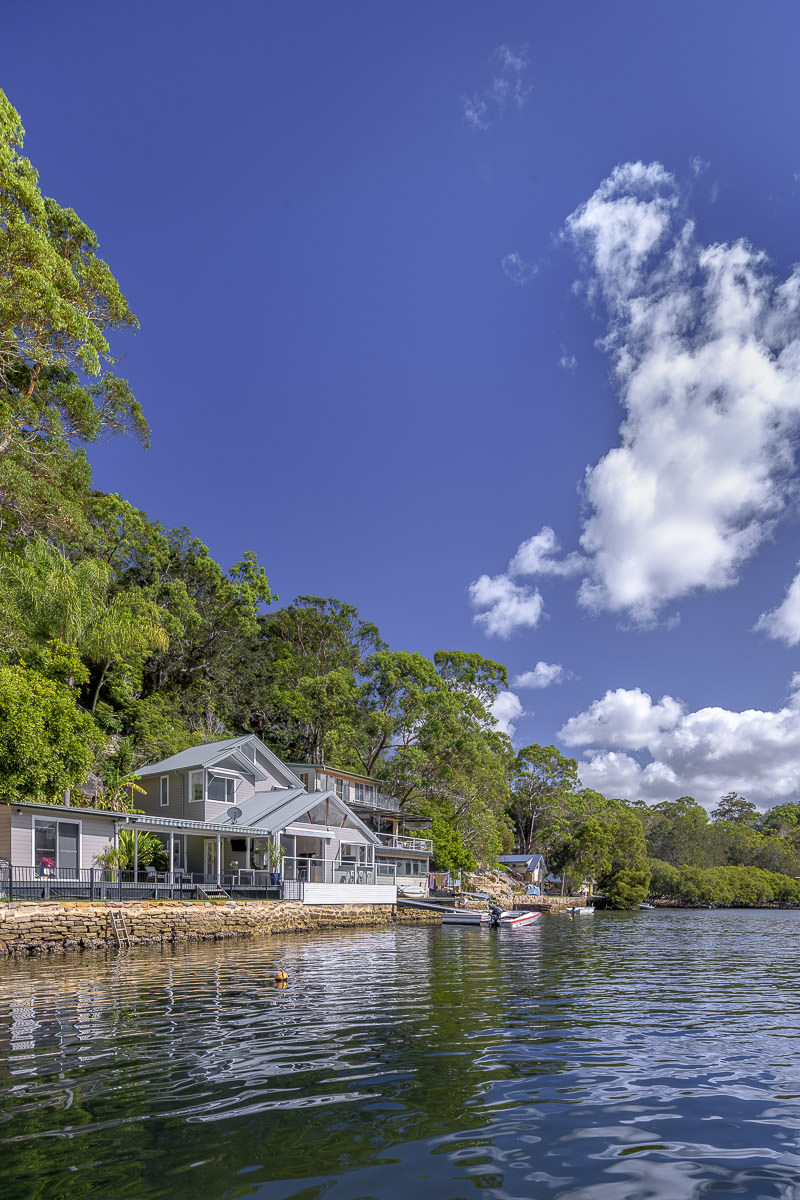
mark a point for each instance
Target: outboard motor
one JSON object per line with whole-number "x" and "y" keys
{"x": 495, "y": 913}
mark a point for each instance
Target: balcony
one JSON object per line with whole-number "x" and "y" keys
{"x": 401, "y": 841}
{"x": 372, "y": 800}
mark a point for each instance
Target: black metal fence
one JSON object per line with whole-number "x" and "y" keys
{"x": 111, "y": 883}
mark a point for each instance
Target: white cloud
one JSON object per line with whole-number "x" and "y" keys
{"x": 517, "y": 270}
{"x": 626, "y": 718}
{"x": 506, "y": 710}
{"x": 542, "y": 676}
{"x": 507, "y": 88}
{"x": 568, "y": 362}
{"x": 508, "y": 606}
{"x": 703, "y": 754}
{"x": 705, "y": 346}
{"x": 706, "y": 350}
{"x": 536, "y": 557}
{"x": 783, "y": 622}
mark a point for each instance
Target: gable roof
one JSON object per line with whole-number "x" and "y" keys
{"x": 282, "y": 806}
{"x": 532, "y": 860}
{"x": 212, "y": 752}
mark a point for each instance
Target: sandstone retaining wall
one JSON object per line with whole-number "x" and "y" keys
{"x": 52, "y": 927}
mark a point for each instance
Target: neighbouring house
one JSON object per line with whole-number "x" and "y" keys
{"x": 532, "y": 867}
{"x": 402, "y": 848}
{"x": 230, "y": 814}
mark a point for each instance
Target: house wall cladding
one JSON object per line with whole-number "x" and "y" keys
{"x": 39, "y": 929}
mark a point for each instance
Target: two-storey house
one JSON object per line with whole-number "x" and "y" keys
{"x": 403, "y": 847}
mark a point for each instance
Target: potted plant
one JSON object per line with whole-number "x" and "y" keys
{"x": 274, "y": 856}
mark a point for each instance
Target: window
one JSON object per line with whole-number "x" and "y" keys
{"x": 340, "y": 787}
{"x": 164, "y": 791}
{"x": 56, "y": 847}
{"x": 222, "y": 789}
{"x": 195, "y": 785}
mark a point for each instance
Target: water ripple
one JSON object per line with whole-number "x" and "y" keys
{"x": 644, "y": 1056}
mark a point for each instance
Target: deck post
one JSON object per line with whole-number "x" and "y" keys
{"x": 219, "y": 860}
{"x": 135, "y": 854}
{"x": 172, "y": 857}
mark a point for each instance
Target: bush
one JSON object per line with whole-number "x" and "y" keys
{"x": 46, "y": 743}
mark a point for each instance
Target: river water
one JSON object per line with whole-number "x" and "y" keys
{"x": 625, "y": 1056}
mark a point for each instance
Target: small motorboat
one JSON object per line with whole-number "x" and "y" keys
{"x": 646, "y": 904}
{"x": 581, "y": 910}
{"x": 494, "y": 917}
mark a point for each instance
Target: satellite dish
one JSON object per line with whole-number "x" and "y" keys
{"x": 234, "y": 813}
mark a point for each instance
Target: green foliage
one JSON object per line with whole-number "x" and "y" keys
{"x": 724, "y": 885}
{"x": 58, "y": 303}
{"x": 151, "y": 852}
{"x": 734, "y": 808}
{"x": 56, "y": 612}
{"x": 544, "y": 787}
{"x": 47, "y": 745}
{"x": 449, "y": 851}
{"x": 628, "y": 887}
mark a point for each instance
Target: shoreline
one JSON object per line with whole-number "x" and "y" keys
{"x": 36, "y": 930}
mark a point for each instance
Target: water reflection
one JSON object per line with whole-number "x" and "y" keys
{"x": 633, "y": 1055}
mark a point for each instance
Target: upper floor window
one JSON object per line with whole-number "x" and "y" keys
{"x": 195, "y": 785}
{"x": 164, "y": 791}
{"x": 222, "y": 789}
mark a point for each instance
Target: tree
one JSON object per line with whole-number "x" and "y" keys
{"x": 58, "y": 303}
{"x": 53, "y": 604}
{"x": 733, "y": 807}
{"x": 679, "y": 832}
{"x": 210, "y": 677}
{"x": 313, "y": 654}
{"x": 47, "y": 745}
{"x": 544, "y": 782}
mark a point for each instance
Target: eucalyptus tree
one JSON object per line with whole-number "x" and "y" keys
{"x": 544, "y": 786}
{"x": 59, "y": 302}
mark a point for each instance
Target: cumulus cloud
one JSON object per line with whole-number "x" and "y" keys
{"x": 507, "y": 606}
{"x": 542, "y": 676}
{"x": 537, "y": 556}
{"x": 626, "y": 718}
{"x": 705, "y": 345}
{"x": 675, "y": 752}
{"x": 510, "y": 605}
{"x": 506, "y": 710}
{"x": 517, "y": 270}
{"x": 783, "y": 622}
{"x": 508, "y": 88}
{"x": 567, "y": 362}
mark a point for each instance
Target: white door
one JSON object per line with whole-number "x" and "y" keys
{"x": 210, "y": 859}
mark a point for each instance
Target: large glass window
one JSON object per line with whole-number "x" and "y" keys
{"x": 56, "y": 847}
{"x": 195, "y": 785}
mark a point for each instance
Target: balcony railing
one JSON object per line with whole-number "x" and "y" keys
{"x": 401, "y": 841}
{"x": 328, "y": 870}
{"x": 376, "y": 800}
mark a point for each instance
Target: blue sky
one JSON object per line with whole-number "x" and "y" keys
{"x": 480, "y": 317}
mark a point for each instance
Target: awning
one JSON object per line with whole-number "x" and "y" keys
{"x": 309, "y": 830}
{"x": 345, "y": 834}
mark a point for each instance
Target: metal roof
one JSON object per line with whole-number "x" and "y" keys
{"x": 280, "y": 807}
{"x": 211, "y": 752}
{"x": 521, "y": 858}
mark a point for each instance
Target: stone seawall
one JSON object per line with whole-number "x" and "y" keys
{"x": 47, "y": 928}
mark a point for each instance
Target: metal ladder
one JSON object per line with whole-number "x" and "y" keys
{"x": 211, "y": 891}
{"x": 119, "y": 927}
